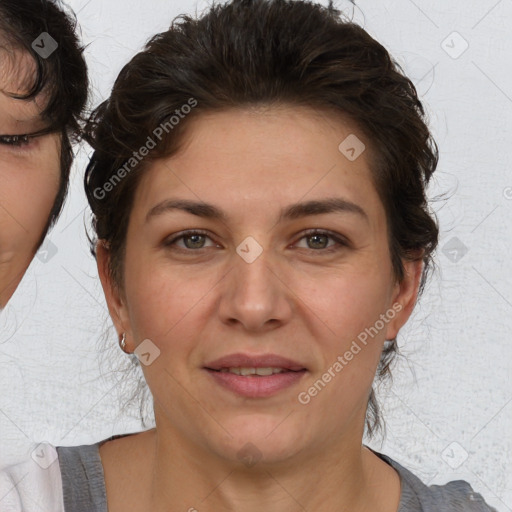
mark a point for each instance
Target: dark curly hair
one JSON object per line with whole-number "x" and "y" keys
{"x": 268, "y": 52}
{"x": 62, "y": 75}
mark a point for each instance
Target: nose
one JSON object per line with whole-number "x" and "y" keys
{"x": 255, "y": 295}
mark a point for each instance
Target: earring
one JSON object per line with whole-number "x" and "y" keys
{"x": 122, "y": 343}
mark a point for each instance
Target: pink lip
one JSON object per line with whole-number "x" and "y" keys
{"x": 254, "y": 386}
{"x": 248, "y": 361}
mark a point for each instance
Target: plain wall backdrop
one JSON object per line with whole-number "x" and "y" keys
{"x": 449, "y": 410}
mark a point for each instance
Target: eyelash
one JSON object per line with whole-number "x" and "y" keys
{"x": 339, "y": 240}
{"x": 16, "y": 141}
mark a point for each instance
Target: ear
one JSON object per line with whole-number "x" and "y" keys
{"x": 404, "y": 297}
{"x": 115, "y": 300}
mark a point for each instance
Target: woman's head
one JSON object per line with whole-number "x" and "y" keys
{"x": 43, "y": 90}
{"x": 253, "y": 108}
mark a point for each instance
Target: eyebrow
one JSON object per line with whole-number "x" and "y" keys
{"x": 292, "y": 212}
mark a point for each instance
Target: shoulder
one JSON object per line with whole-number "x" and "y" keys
{"x": 455, "y": 496}
{"x": 34, "y": 484}
{"x": 83, "y": 482}
{"x": 53, "y": 478}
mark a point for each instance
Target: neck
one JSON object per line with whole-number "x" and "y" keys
{"x": 348, "y": 477}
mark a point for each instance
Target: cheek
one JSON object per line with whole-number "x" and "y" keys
{"x": 162, "y": 302}
{"x": 168, "y": 310}
{"x": 27, "y": 194}
{"x": 349, "y": 308}
{"x": 347, "y": 300}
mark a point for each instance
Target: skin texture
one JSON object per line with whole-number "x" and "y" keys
{"x": 295, "y": 300}
{"x": 29, "y": 173}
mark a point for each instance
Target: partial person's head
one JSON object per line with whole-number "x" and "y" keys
{"x": 43, "y": 90}
{"x": 258, "y": 187}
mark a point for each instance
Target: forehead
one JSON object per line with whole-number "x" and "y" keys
{"x": 17, "y": 74}
{"x": 240, "y": 159}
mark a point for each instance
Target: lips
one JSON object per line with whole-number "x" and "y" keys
{"x": 255, "y": 376}
{"x": 255, "y": 361}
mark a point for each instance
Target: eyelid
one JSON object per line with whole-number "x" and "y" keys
{"x": 170, "y": 241}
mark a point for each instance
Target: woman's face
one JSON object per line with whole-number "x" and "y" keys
{"x": 29, "y": 173}
{"x": 256, "y": 284}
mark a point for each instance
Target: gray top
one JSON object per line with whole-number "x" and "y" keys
{"x": 83, "y": 486}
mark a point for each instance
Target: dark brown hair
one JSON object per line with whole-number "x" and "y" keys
{"x": 268, "y": 52}
{"x": 62, "y": 75}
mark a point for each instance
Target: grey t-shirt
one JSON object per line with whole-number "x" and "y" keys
{"x": 83, "y": 486}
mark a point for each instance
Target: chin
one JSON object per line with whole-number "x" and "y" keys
{"x": 258, "y": 440}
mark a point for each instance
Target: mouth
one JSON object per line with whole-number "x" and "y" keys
{"x": 256, "y": 371}
{"x": 256, "y": 362}
{"x": 255, "y": 376}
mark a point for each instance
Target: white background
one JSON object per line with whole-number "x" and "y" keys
{"x": 449, "y": 411}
